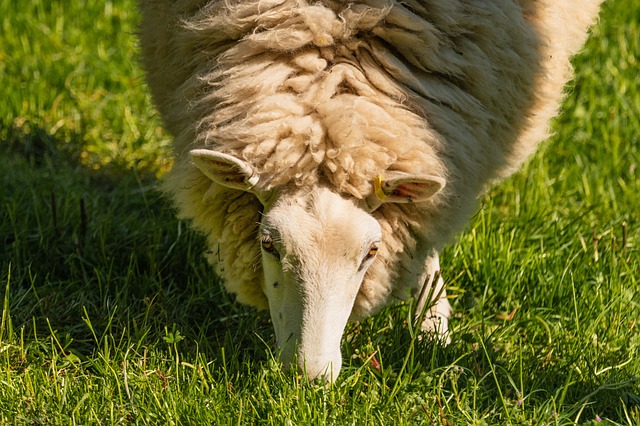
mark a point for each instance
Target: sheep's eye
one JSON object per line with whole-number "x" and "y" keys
{"x": 268, "y": 246}
{"x": 373, "y": 250}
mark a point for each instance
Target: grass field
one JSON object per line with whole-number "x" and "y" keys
{"x": 110, "y": 313}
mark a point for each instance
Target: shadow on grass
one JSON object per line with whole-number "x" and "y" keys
{"x": 93, "y": 253}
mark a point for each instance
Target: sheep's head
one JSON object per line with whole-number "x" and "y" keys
{"x": 317, "y": 246}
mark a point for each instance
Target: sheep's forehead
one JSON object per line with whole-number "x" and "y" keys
{"x": 323, "y": 220}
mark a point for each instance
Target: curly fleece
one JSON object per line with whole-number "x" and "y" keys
{"x": 344, "y": 91}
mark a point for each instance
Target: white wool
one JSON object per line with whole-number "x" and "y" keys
{"x": 344, "y": 91}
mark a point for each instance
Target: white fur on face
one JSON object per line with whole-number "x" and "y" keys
{"x": 316, "y": 249}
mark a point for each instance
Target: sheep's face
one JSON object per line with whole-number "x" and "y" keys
{"x": 316, "y": 249}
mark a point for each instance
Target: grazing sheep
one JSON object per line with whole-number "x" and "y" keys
{"x": 328, "y": 149}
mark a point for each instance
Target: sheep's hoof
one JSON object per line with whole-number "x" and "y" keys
{"x": 436, "y": 328}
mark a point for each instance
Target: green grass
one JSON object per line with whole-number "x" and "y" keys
{"x": 111, "y": 315}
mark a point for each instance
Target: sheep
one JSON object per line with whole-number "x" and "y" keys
{"x": 328, "y": 150}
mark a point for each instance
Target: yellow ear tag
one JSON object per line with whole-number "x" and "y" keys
{"x": 377, "y": 188}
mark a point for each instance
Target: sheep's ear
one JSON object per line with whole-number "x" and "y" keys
{"x": 229, "y": 171}
{"x": 404, "y": 188}
{"x": 224, "y": 169}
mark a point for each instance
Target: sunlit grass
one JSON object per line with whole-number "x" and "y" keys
{"x": 69, "y": 71}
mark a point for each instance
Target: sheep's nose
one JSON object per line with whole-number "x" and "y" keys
{"x": 320, "y": 368}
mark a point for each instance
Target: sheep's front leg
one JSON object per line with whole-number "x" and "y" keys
{"x": 432, "y": 294}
